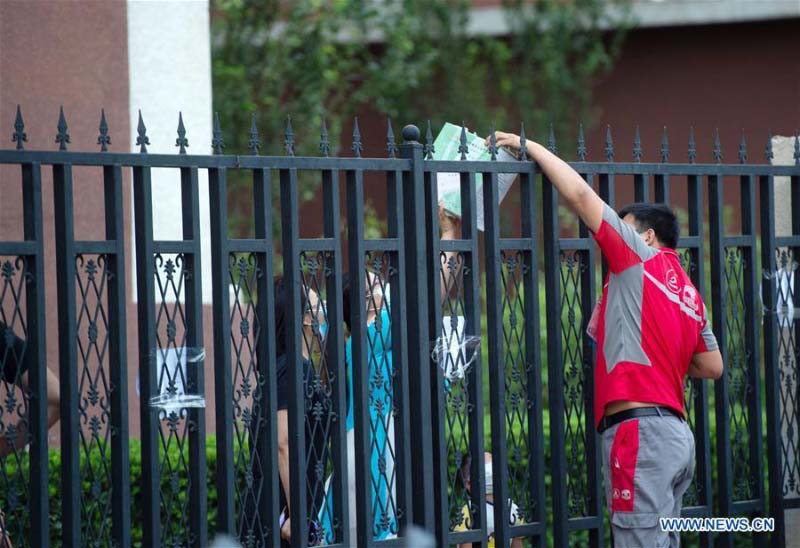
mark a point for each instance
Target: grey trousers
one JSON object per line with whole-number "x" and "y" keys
{"x": 648, "y": 464}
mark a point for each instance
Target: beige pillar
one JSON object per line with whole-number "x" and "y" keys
{"x": 783, "y": 149}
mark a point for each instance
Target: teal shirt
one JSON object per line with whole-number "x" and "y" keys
{"x": 379, "y": 359}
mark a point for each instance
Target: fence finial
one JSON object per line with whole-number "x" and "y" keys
{"x": 288, "y": 137}
{"x": 391, "y": 145}
{"x": 462, "y": 142}
{"x": 217, "y": 142}
{"x": 581, "y": 144}
{"x": 357, "y": 146}
{"x": 62, "y": 138}
{"x": 492, "y": 142}
{"x": 551, "y": 140}
{"x": 609, "y": 145}
{"x": 523, "y": 147}
{"x": 411, "y": 133}
{"x": 19, "y": 135}
{"x": 664, "y": 147}
{"x": 181, "y": 141}
{"x": 103, "y": 139}
{"x": 324, "y": 142}
{"x": 637, "y": 146}
{"x": 428, "y": 150}
{"x": 255, "y": 142}
{"x": 142, "y": 140}
{"x": 692, "y": 154}
{"x": 743, "y": 149}
{"x": 717, "y": 147}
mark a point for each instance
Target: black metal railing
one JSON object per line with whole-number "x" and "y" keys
{"x": 419, "y": 426}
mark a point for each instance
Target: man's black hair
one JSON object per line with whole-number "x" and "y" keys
{"x": 659, "y": 217}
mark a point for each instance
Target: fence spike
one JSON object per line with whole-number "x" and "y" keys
{"x": 217, "y": 142}
{"x": 255, "y": 142}
{"x": 62, "y": 138}
{"x": 462, "y": 142}
{"x": 103, "y": 139}
{"x": 19, "y": 135}
{"x": 428, "y": 150}
{"x": 637, "y": 146}
{"x": 692, "y": 150}
{"x": 492, "y": 142}
{"x": 717, "y": 147}
{"x": 609, "y": 145}
{"x": 182, "y": 141}
{"x": 551, "y": 140}
{"x": 357, "y": 146}
{"x": 142, "y": 140}
{"x": 391, "y": 145}
{"x": 324, "y": 142}
{"x": 664, "y": 147}
{"x": 768, "y": 154}
{"x": 523, "y": 148}
{"x": 288, "y": 137}
{"x": 581, "y": 144}
{"x": 743, "y": 149}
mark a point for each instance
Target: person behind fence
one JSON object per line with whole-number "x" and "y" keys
{"x": 652, "y": 330}
{"x": 381, "y": 403}
{"x": 514, "y": 513}
{"x": 15, "y": 364}
{"x": 313, "y": 330}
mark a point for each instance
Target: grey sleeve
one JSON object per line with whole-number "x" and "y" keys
{"x": 707, "y": 334}
{"x": 628, "y": 234}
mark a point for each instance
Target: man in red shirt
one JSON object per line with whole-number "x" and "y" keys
{"x": 651, "y": 330}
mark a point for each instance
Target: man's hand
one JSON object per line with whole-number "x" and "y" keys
{"x": 508, "y": 140}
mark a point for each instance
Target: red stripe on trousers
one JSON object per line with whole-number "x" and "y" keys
{"x": 624, "y": 451}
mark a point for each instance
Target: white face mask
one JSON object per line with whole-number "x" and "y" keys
{"x": 487, "y": 472}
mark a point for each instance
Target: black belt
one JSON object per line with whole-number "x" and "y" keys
{"x": 658, "y": 411}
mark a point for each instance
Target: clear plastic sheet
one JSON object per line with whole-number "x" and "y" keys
{"x": 173, "y": 369}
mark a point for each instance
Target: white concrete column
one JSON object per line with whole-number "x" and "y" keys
{"x": 169, "y": 55}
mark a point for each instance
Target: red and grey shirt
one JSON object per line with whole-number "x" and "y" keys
{"x": 652, "y": 320}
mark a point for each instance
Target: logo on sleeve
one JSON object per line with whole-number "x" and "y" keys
{"x": 690, "y": 298}
{"x": 671, "y": 281}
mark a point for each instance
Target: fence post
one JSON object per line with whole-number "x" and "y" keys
{"x": 218, "y": 195}
{"x": 35, "y": 316}
{"x": 555, "y": 380}
{"x": 417, "y": 274}
{"x": 67, "y": 351}
{"x": 145, "y": 285}
{"x": 118, "y": 357}
{"x": 198, "y": 504}
{"x": 771, "y": 354}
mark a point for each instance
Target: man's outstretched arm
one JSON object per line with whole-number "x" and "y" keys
{"x": 580, "y": 197}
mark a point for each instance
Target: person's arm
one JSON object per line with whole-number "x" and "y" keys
{"x": 53, "y": 414}
{"x": 283, "y": 467}
{"x": 707, "y": 360}
{"x": 706, "y": 365}
{"x": 580, "y": 197}
{"x": 451, "y": 230}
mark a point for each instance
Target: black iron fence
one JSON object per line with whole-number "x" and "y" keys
{"x": 415, "y": 427}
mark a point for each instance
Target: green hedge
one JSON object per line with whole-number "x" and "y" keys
{"x": 98, "y": 494}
